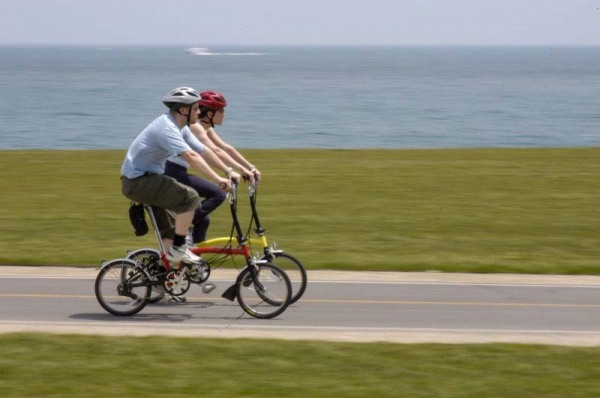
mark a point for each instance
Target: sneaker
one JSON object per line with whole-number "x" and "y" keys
{"x": 181, "y": 253}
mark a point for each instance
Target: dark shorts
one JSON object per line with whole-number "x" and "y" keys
{"x": 163, "y": 193}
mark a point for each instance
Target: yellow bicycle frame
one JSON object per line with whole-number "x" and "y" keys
{"x": 260, "y": 241}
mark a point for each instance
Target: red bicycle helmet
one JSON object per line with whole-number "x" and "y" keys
{"x": 212, "y": 100}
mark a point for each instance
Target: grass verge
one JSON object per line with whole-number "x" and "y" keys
{"x": 468, "y": 210}
{"x": 34, "y": 365}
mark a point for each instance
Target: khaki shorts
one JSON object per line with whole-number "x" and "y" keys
{"x": 167, "y": 197}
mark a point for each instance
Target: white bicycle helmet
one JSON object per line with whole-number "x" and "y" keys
{"x": 181, "y": 96}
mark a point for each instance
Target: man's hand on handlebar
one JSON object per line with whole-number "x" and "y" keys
{"x": 225, "y": 184}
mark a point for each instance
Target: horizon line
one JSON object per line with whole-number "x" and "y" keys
{"x": 188, "y": 45}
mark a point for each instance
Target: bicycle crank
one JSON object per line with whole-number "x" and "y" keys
{"x": 177, "y": 282}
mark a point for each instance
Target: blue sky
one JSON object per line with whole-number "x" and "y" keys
{"x": 306, "y": 22}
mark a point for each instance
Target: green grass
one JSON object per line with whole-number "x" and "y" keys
{"x": 34, "y": 365}
{"x": 470, "y": 210}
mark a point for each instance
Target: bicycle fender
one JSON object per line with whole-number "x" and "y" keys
{"x": 133, "y": 253}
{"x": 125, "y": 260}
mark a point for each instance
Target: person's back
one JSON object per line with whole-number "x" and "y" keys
{"x": 149, "y": 150}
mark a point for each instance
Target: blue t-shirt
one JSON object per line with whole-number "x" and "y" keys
{"x": 161, "y": 139}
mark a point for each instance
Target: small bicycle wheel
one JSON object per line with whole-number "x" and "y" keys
{"x": 122, "y": 288}
{"x": 150, "y": 259}
{"x": 266, "y": 297}
{"x": 294, "y": 270}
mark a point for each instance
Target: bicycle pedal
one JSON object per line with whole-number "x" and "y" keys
{"x": 208, "y": 287}
{"x": 178, "y": 299}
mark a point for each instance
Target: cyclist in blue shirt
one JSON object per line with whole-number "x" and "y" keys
{"x": 143, "y": 178}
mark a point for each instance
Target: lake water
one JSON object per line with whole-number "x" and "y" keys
{"x": 301, "y": 97}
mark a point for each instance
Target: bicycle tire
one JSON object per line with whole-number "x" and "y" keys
{"x": 147, "y": 257}
{"x": 121, "y": 287}
{"x": 264, "y": 304}
{"x": 294, "y": 269}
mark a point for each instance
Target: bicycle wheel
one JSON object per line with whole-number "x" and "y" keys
{"x": 294, "y": 270}
{"x": 267, "y": 297}
{"x": 150, "y": 259}
{"x": 122, "y": 288}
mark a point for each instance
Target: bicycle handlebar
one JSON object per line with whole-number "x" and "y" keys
{"x": 232, "y": 194}
{"x": 252, "y": 187}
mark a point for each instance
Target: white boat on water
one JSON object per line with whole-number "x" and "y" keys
{"x": 197, "y": 51}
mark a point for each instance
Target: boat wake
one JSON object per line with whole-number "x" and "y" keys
{"x": 207, "y": 52}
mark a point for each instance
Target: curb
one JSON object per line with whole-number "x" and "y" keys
{"x": 8, "y": 271}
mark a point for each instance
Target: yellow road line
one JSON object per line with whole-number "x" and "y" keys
{"x": 22, "y": 295}
{"x": 466, "y": 303}
{"x": 342, "y": 301}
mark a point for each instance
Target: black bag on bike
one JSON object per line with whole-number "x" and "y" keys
{"x": 137, "y": 216}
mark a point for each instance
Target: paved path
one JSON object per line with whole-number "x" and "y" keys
{"x": 344, "y": 306}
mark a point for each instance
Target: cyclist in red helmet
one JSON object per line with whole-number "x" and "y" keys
{"x": 212, "y": 111}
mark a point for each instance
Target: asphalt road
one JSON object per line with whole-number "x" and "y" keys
{"x": 394, "y": 307}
